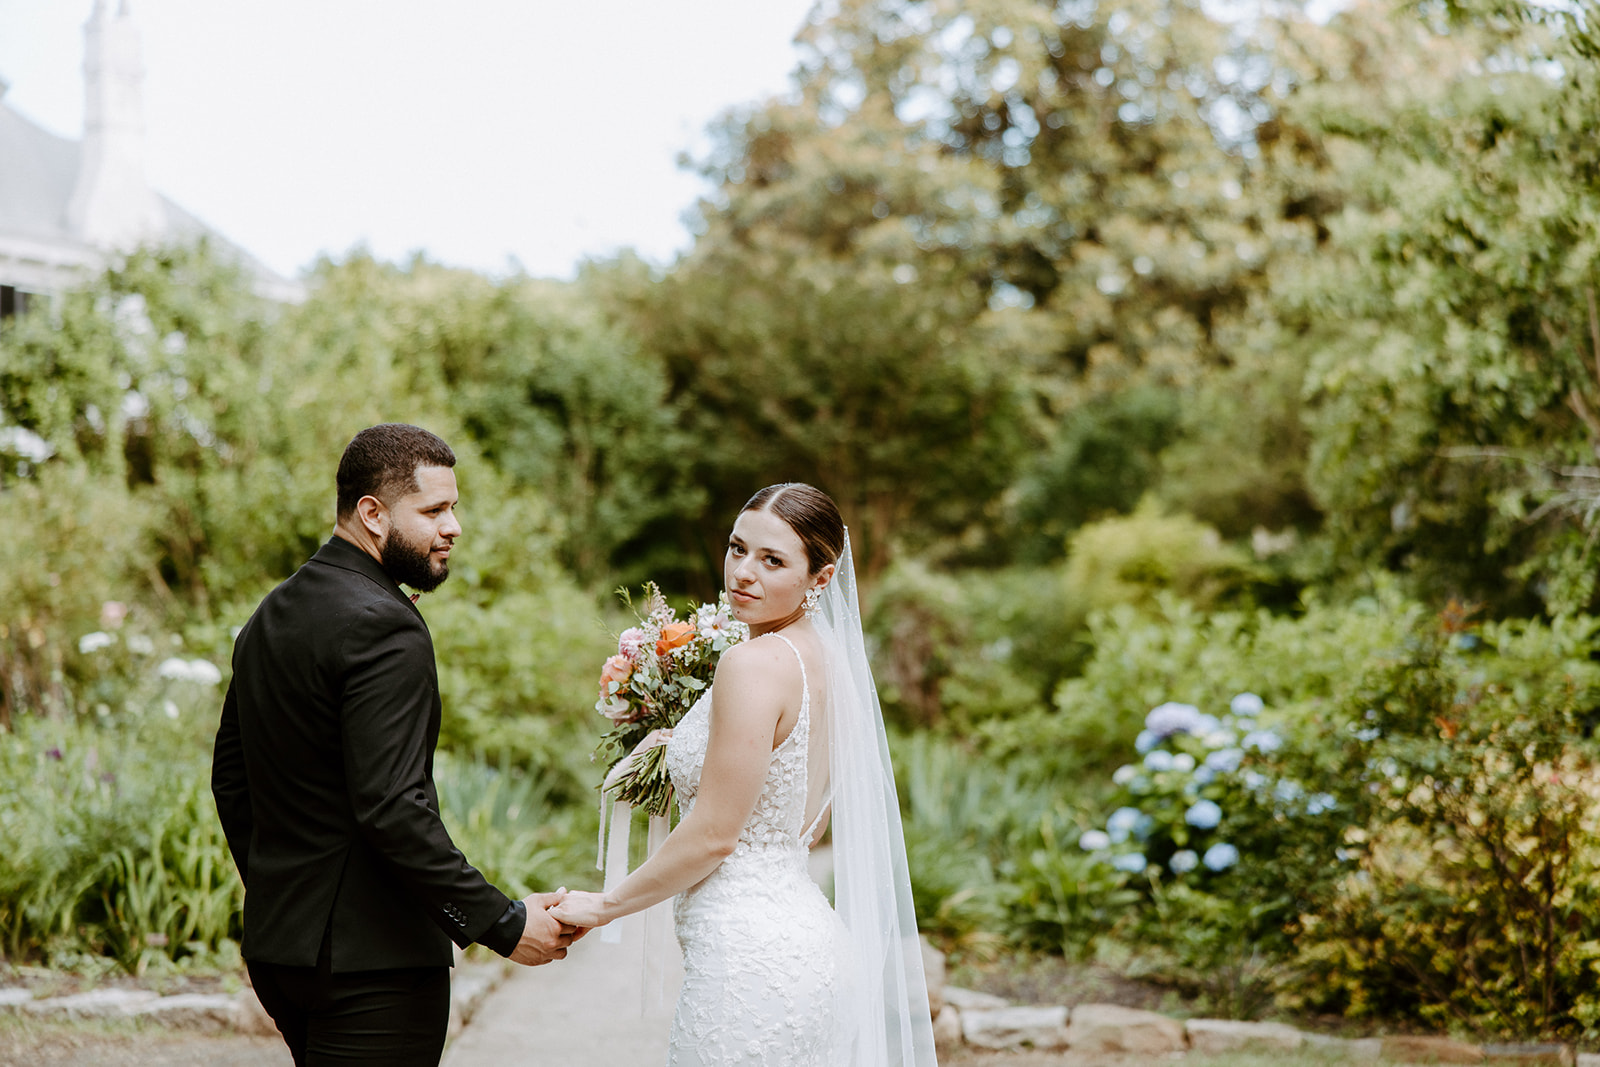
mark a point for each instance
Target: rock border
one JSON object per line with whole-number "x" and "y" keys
{"x": 988, "y": 1022}
{"x": 240, "y": 1012}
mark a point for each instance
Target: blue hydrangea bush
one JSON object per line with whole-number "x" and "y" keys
{"x": 1198, "y": 781}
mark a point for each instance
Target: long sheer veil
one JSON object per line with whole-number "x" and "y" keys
{"x": 885, "y": 1017}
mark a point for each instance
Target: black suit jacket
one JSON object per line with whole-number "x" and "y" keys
{"x": 323, "y": 778}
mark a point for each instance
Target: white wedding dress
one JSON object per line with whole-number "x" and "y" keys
{"x": 761, "y": 945}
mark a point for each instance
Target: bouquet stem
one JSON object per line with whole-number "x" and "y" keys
{"x": 645, "y": 783}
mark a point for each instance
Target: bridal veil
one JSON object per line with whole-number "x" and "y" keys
{"x": 884, "y": 1020}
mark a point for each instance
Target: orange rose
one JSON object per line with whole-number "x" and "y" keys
{"x": 674, "y": 635}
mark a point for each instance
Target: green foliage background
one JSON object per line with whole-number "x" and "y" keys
{"x": 1150, "y": 356}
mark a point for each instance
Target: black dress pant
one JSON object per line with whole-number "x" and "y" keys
{"x": 398, "y": 1016}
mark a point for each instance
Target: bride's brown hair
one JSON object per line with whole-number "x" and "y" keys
{"x": 810, "y": 513}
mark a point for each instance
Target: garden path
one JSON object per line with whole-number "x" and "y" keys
{"x": 584, "y": 1011}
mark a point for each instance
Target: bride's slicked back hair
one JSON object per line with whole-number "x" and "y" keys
{"x": 810, "y": 513}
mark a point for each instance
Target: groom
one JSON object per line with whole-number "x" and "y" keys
{"x": 323, "y": 778}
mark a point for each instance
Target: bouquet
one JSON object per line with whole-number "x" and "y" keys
{"x": 661, "y": 668}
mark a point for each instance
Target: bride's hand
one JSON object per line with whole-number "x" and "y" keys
{"x": 581, "y": 909}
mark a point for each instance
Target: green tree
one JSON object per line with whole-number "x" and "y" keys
{"x": 1454, "y": 360}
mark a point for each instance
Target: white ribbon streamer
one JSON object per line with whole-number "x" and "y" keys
{"x": 612, "y": 858}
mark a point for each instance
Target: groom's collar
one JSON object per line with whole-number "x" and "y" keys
{"x": 337, "y": 552}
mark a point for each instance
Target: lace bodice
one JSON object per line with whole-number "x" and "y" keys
{"x": 779, "y": 815}
{"x": 760, "y": 942}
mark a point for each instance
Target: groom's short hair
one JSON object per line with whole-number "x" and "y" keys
{"x": 382, "y": 461}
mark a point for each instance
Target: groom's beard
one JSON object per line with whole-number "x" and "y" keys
{"x": 411, "y": 565}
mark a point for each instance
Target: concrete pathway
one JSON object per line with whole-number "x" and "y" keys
{"x": 584, "y": 1011}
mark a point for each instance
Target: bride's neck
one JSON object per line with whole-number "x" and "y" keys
{"x": 760, "y": 629}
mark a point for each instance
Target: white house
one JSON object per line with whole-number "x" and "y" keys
{"x": 66, "y": 205}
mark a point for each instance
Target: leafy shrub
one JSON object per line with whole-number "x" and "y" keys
{"x": 1098, "y": 462}
{"x": 1221, "y": 850}
{"x": 1140, "y": 659}
{"x": 1468, "y": 774}
{"x": 1415, "y": 835}
{"x": 1131, "y": 559}
{"x": 954, "y": 650}
{"x": 991, "y": 857}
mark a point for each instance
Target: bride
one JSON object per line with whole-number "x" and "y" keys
{"x": 788, "y": 738}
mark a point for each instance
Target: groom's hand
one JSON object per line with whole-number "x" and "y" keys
{"x": 543, "y": 938}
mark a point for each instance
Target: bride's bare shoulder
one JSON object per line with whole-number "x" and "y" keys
{"x": 761, "y": 659}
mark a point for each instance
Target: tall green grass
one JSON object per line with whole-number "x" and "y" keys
{"x": 111, "y": 846}
{"x": 111, "y": 854}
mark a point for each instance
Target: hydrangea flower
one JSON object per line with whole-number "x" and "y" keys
{"x": 1319, "y": 803}
{"x": 1203, "y": 775}
{"x": 1094, "y": 840}
{"x": 1171, "y": 718}
{"x": 1146, "y": 740}
{"x": 1131, "y": 862}
{"x": 1263, "y": 741}
{"x": 1122, "y": 823}
{"x": 1225, "y": 760}
{"x": 1125, "y": 774}
{"x": 1183, "y": 861}
{"x": 1203, "y": 814}
{"x": 1220, "y": 857}
{"x": 1246, "y": 705}
{"x": 1183, "y": 762}
{"x": 1159, "y": 760}
{"x": 1287, "y": 792}
{"x": 1220, "y": 739}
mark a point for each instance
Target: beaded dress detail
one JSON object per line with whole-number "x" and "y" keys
{"x": 760, "y": 942}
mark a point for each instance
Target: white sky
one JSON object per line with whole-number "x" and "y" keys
{"x": 477, "y": 131}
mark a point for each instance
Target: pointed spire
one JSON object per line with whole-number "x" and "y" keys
{"x": 112, "y": 205}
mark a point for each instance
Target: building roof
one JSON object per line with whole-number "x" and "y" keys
{"x": 38, "y": 171}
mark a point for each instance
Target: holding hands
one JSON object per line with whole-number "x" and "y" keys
{"x": 579, "y": 909}
{"x": 545, "y": 937}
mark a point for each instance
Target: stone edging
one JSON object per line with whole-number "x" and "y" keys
{"x": 989, "y": 1022}
{"x": 240, "y": 1012}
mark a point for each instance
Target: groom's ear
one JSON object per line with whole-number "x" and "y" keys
{"x": 373, "y": 515}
